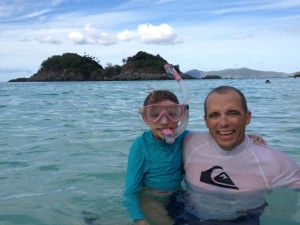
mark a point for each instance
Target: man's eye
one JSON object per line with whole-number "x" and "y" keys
{"x": 234, "y": 113}
{"x": 213, "y": 115}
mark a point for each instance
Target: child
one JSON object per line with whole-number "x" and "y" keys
{"x": 154, "y": 167}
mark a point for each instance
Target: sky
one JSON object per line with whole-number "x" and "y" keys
{"x": 195, "y": 34}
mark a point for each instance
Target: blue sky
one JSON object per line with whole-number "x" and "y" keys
{"x": 195, "y": 34}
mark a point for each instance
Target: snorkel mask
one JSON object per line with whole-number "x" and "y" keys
{"x": 154, "y": 112}
{"x": 176, "y": 114}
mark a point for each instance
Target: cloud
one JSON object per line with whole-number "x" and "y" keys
{"x": 49, "y": 39}
{"x": 241, "y": 36}
{"x": 77, "y": 38}
{"x": 35, "y": 14}
{"x": 162, "y": 34}
{"x": 127, "y": 35}
{"x": 95, "y": 37}
{"x": 145, "y": 33}
{"x": 248, "y": 6}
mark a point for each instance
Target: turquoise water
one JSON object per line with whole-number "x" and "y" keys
{"x": 64, "y": 146}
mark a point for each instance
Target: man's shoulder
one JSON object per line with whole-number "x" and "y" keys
{"x": 196, "y": 138}
{"x": 195, "y": 135}
{"x": 269, "y": 152}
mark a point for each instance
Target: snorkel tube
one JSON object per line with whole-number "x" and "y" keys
{"x": 169, "y": 135}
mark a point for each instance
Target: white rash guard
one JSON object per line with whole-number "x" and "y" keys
{"x": 228, "y": 184}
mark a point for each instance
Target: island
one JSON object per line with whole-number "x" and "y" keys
{"x": 212, "y": 77}
{"x": 73, "y": 67}
{"x": 295, "y": 75}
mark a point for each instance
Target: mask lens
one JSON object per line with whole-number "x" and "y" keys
{"x": 152, "y": 113}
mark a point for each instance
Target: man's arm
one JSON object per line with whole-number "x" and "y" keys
{"x": 257, "y": 139}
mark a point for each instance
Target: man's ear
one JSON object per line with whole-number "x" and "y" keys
{"x": 248, "y": 117}
{"x": 204, "y": 117}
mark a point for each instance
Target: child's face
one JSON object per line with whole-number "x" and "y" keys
{"x": 163, "y": 122}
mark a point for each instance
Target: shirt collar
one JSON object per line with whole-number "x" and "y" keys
{"x": 234, "y": 151}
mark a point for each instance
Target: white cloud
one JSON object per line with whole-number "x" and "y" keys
{"x": 106, "y": 39}
{"x": 90, "y": 30}
{"x": 145, "y": 33}
{"x": 248, "y": 6}
{"x": 77, "y": 38}
{"x": 127, "y": 35}
{"x": 34, "y": 14}
{"x": 95, "y": 37}
{"x": 241, "y": 36}
{"x": 162, "y": 34}
{"x": 49, "y": 39}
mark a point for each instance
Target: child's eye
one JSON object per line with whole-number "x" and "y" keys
{"x": 172, "y": 113}
{"x": 154, "y": 115}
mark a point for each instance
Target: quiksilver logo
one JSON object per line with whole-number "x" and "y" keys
{"x": 221, "y": 178}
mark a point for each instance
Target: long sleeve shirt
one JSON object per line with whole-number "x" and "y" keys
{"x": 153, "y": 164}
{"x": 226, "y": 184}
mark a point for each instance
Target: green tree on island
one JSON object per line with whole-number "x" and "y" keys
{"x": 73, "y": 67}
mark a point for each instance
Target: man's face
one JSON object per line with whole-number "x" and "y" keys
{"x": 226, "y": 119}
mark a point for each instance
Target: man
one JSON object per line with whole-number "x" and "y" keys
{"x": 226, "y": 174}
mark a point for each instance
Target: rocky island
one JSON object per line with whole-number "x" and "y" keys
{"x": 73, "y": 67}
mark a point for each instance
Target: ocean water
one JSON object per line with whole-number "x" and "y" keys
{"x": 64, "y": 145}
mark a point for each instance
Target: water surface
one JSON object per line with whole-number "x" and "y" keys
{"x": 64, "y": 145}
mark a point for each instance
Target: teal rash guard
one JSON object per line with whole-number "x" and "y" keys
{"x": 152, "y": 164}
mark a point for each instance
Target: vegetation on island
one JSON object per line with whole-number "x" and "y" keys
{"x": 297, "y": 74}
{"x": 141, "y": 66}
{"x": 73, "y": 67}
{"x": 72, "y": 62}
{"x": 146, "y": 62}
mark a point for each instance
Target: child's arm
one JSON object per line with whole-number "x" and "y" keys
{"x": 141, "y": 222}
{"x": 134, "y": 177}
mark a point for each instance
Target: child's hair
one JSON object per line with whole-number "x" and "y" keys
{"x": 160, "y": 95}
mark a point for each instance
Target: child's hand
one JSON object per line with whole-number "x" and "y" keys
{"x": 257, "y": 139}
{"x": 141, "y": 222}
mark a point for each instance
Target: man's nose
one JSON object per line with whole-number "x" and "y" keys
{"x": 223, "y": 120}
